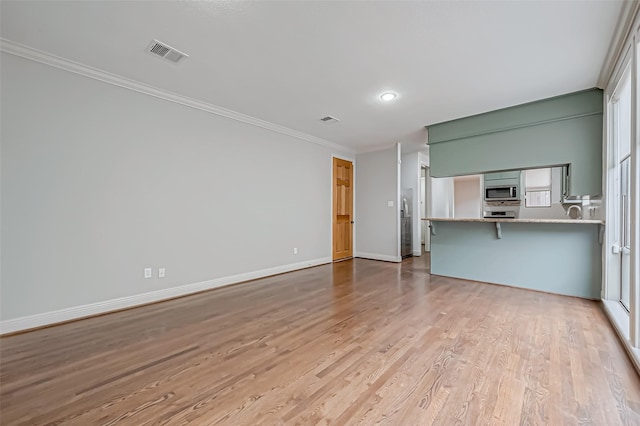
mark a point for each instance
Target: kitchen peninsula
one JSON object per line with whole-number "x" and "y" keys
{"x": 555, "y": 254}
{"x": 560, "y": 256}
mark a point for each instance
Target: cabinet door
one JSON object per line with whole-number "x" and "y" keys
{"x": 492, "y": 176}
{"x": 502, "y": 175}
{"x": 511, "y": 175}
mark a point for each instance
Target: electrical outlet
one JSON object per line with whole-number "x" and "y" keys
{"x": 161, "y": 273}
{"x": 389, "y": 203}
{"x": 295, "y": 250}
{"x": 147, "y": 272}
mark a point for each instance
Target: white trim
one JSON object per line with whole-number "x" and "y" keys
{"x": 76, "y": 312}
{"x": 624, "y": 57}
{"x": 398, "y": 200}
{"x": 611, "y": 262}
{"x": 375, "y": 256}
{"x": 634, "y": 284}
{"x": 624, "y": 28}
{"x": 26, "y": 52}
{"x": 620, "y": 321}
{"x": 376, "y": 148}
{"x": 416, "y": 223}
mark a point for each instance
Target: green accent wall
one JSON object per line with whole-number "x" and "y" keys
{"x": 552, "y": 257}
{"x": 556, "y": 131}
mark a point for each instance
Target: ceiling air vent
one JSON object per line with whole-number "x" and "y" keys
{"x": 329, "y": 119}
{"x": 165, "y": 51}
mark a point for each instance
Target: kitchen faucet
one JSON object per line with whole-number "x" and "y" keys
{"x": 579, "y": 211}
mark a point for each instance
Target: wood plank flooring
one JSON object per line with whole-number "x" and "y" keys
{"x": 355, "y": 342}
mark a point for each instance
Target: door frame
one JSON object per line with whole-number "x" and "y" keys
{"x": 425, "y": 197}
{"x": 623, "y": 226}
{"x": 353, "y": 194}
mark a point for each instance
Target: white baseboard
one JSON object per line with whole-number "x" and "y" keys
{"x": 620, "y": 321}
{"x": 375, "y": 256}
{"x": 67, "y": 314}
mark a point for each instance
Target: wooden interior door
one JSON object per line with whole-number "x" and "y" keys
{"x": 342, "y": 209}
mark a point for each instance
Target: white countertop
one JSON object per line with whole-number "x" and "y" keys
{"x": 494, "y": 220}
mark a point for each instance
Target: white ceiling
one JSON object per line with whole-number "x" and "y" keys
{"x": 291, "y": 63}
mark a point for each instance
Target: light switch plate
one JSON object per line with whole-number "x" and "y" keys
{"x": 389, "y": 203}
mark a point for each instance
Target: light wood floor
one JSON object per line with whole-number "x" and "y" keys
{"x": 356, "y": 342}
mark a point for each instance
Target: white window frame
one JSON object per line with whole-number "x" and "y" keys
{"x": 627, "y": 326}
{"x": 528, "y": 190}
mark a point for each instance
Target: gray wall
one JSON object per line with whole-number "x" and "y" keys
{"x": 99, "y": 182}
{"x": 377, "y": 224}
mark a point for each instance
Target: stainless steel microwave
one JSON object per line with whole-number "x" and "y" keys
{"x": 501, "y": 193}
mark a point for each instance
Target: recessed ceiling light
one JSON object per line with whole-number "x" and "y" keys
{"x": 388, "y": 96}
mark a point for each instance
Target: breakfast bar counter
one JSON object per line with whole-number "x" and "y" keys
{"x": 560, "y": 256}
{"x": 491, "y": 220}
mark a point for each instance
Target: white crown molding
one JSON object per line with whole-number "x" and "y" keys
{"x": 92, "y": 309}
{"x": 27, "y": 52}
{"x": 376, "y": 148}
{"x": 624, "y": 27}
